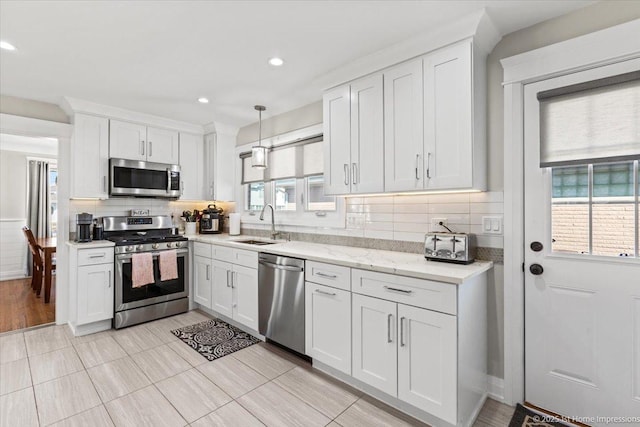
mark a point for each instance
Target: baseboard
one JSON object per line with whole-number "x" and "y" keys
{"x": 496, "y": 388}
{"x": 13, "y": 274}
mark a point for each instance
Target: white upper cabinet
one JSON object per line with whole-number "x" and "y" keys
{"x": 139, "y": 142}
{"x": 219, "y": 169}
{"x": 192, "y": 165}
{"x": 403, "y": 130}
{"x": 337, "y": 140}
{"x": 90, "y": 157}
{"x": 448, "y": 118}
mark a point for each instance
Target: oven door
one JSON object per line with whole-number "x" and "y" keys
{"x": 128, "y": 297}
{"x": 143, "y": 179}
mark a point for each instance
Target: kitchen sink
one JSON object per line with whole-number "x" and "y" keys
{"x": 255, "y": 242}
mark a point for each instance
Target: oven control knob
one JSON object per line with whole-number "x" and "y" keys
{"x": 155, "y": 246}
{"x": 169, "y": 244}
{"x": 128, "y": 248}
{"x": 178, "y": 244}
{"x": 140, "y": 247}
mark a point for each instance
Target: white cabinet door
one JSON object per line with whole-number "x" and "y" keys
{"x": 202, "y": 281}
{"x": 245, "y": 299}
{"x": 162, "y": 146}
{"x": 375, "y": 357}
{"x": 90, "y": 157}
{"x": 403, "y": 129}
{"x": 328, "y": 326}
{"x": 95, "y": 293}
{"x": 221, "y": 291}
{"x": 367, "y": 135}
{"x": 448, "y": 126}
{"x": 219, "y": 171}
{"x": 427, "y": 360}
{"x": 127, "y": 140}
{"x": 337, "y": 141}
{"x": 192, "y": 167}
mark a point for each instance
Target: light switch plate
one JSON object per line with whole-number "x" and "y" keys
{"x": 492, "y": 224}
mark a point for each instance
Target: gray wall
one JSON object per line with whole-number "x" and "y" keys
{"x": 33, "y": 109}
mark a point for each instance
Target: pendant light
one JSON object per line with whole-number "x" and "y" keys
{"x": 259, "y": 153}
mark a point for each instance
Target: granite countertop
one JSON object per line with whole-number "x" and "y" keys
{"x": 91, "y": 244}
{"x": 401, "y": 263}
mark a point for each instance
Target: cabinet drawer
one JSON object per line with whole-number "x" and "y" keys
{"x": 406, "y": 290}
{"x": 327, "y": 274}
{"x": 95, "y": 256}
{"x": 202, "y": 249}
{"x": 236, "y": 256}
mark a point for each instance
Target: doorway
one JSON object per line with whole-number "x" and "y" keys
{"x": 28, "y": 198}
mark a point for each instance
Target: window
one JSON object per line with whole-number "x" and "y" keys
{"x": 316, "y": 200}
{"x": 285, "y": 194}
{"x": 254, "y": 196}
{"x": 595, "y": 209}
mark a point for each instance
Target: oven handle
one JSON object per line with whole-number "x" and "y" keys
{"x": 181, "y": 252}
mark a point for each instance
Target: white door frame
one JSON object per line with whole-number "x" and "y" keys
{"x": 600, "y": 48}
{"x": 25, "y": 126}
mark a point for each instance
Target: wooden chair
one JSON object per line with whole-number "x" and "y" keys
{"x": 38, "y": 263}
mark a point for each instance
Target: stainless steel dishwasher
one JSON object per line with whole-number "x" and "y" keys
{"x": 281, "y": 300}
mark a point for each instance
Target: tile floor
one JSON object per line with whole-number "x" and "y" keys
{"x": 144, "y": 376}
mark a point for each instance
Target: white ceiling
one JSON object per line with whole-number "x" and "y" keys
{"x": 158, "y": 57}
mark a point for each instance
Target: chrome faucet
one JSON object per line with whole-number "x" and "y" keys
{"x": 274, "y": 233}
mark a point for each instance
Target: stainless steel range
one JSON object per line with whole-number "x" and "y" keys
{"x": 161, "y": 298}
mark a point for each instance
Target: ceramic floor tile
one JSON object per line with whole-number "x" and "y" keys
{"x": 117, "y": 378}
{"x": 12, "y": 348}
{"x": 14, "y": 376}
{"x": 267, "y": 362}
{"x": 146, "y": 407}
{"x": 55, "y": 364}
{"x": 160, "y": 363}
{"x": 230, "y": 415}
{"x": 99, "y": 351}
{"x": 276, "y": 407}
{"x": 318, "y": 390}
{"x": 95, "y": 417}
{"x": 49, "y": 339}
{"x": 162, "y": 329}
{"x": 232, "y": 376}
{"x": 363, "y": 413}
{"x": 18, "y": 409}
{"x": 65, "y": 397}
{"x": 91, "y": 337}
{"x": 187, "y": 353}
{"x": 136, "y": 339}
{"x": 192, "y": 394}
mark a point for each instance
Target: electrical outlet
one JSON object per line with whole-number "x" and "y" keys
{"x": 435, "y": 224}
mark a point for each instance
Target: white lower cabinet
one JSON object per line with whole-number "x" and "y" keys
{"x": 221, "y": 290}
{"x": 327, "y": 320}
{"x": 245, "y": 296}
{"x": 95, "y": 293}
{"x": 202, "y": 280}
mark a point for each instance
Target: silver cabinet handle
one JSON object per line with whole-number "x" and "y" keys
{"x": 328, "y": 276}
{"x": 404, "y": 291}
{"x": 320, "y": 291}
{"x": 207, "y": 271}
{"x": 389, "y": 317}
{"x": 98, "y": 256}
{"x": 417, "y": 166}
{"x": 181, "y": 188}
{"x": 346, "y": 174}
{"x": 109, "y": 280}
{"x": 402, "y": 331}
{"x": 142, "y": 142}
{"x": 150, "y": 148}
{"x": 104, "y": 183}
{"x": 234, "y": 277}
{"x": 428, "y": 166}
{"x": 355, "y": 172}
{"x": 228, "y": 281}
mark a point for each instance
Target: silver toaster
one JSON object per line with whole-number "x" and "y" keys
{"x": 458, "y": 248}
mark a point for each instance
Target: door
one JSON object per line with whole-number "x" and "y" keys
{"x": 328, "y": 326}
{"x": 202, "y": 281}
{"x": 375, "y": 357}
{"x": 95, "y": 293}
{"x": 403, "y": 127}
{"x": 448, "y": 129}
{"x": 245, "y": 298}
{"x": 582, "y": 307}
{"x": 90, "y": 156}
{"x": 127, "y": 140}
{"x": 367, "y": 136}
{"x": 337, "y": 141}
{"x": 427, "y": 359}
{"x": 221, "y": 290}
{"x": 162, "y": 146}
{"x": 192, "y": 167}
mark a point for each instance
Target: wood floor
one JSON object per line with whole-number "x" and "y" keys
{"x": 20, "y": 307}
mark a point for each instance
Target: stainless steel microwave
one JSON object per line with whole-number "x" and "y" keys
{"x": 143, "y": 179}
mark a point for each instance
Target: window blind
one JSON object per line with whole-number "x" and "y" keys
{"x": 296, "y": 159}
{"x": 592, "y": 122}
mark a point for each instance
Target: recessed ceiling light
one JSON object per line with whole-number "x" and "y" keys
{"x": 203, "y": 100}
{"x": 276, "y": 62}
{"x": 7, "y": 46}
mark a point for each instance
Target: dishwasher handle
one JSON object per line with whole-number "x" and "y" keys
{"x": 281, "y": 267}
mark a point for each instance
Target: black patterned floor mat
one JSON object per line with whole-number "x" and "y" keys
{"x": 214, "y": 338}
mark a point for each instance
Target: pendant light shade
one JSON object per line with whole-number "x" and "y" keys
{"x": 259, "y": 153}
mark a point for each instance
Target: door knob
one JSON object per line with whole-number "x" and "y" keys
{"x": 536, "y": 246}
{"x": 536, "y": 269}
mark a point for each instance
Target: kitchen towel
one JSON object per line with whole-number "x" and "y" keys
{"x": 234, "y": 224}
{"x": 168, "y": 265}
{"x": 141, "y": 269}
